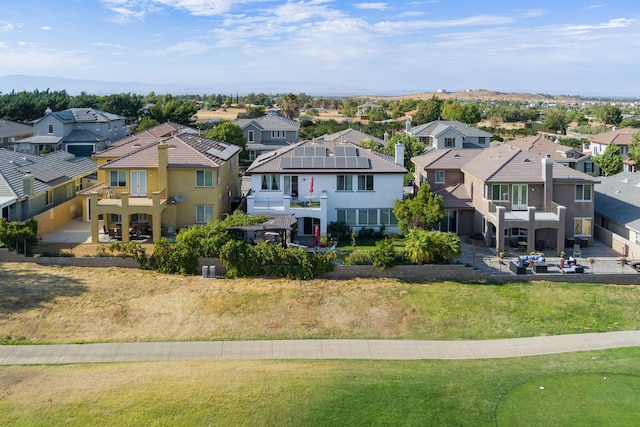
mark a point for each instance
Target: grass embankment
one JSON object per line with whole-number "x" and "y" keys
{"x": 504, "y": 392}
{"x": 71, "y": 304}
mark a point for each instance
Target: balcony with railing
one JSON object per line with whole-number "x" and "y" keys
{"x": 532, "y": 213}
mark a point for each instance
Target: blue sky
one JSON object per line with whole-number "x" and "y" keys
{"x": 588, "y": 47}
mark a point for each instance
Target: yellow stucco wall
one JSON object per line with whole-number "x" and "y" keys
{"x": 58, "y": 216}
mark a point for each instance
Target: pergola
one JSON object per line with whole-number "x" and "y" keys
{"x": 279, "y": 224}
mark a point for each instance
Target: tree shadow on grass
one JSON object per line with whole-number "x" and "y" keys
{"x": 24, "y": 289}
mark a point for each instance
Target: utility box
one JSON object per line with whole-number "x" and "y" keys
{"x": 205, "y": 271}
{"x": 212, "y": 271}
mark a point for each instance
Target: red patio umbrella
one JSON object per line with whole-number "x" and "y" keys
{"x": 317, "y": 234}
{"x": 311, "y": 185}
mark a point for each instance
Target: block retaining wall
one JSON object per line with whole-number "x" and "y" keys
{"x": 417, "y": 273}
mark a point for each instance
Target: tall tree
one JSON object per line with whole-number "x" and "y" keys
{"x": 634, "y": 148}
{"x": 424, "y": 210}
{"x": 428, "y": 111}
{"x": 412, "y": 148}
{"x": 556, "y": 119}
{"x": 609, "y": 114}
{"x": 465, "y": 113}
{"x": 290, "y": 105}
{"x": 229, "y": 133}
{"x": 610, "y": 162}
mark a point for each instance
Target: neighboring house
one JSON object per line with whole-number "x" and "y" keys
{"x": 363, "y": 110}
{"x": 513, "y": 197}
{"x": 32, "y": 185}
{"x": 327, "y": 181}
{"x": 80, "y": 131}
{"x": 268, "y": 133}
{"x": 162, "y": 183}
{"x": 11, "y": 132}
{"x": 353, "y": 136}
{"x": 446, "y": 134}
{"x": 617, "y": 212}
{"x": 621, "y": 137}
{"x": 561, "y": 154}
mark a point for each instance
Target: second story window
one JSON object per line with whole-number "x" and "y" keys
{"x": 440, "y": 177}
{"x": 278, "y": 134}
{"x": 270, "y": 182}
{"x": 588, "y": 167}
{"x": 117, "y": 178}
{"x": 250, "y": 136}
{"x": 344, "y": 183}
{"x": 583, "y": 192}
{"x": 365, "y": 182}
{"x": 449, "y": 142}
{"x": 204, "y": 178}
{"x": 500, "y": 192}
{"x": 50, "y": 129}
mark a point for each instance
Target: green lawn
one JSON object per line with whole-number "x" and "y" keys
{"x": 503, "y": 392}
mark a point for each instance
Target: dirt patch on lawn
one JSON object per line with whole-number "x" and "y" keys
{"x": 76, "y": 304}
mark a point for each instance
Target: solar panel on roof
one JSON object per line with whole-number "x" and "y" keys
{"x": 339, "y": 151}
{"x": 285, "y": 162}
{"x": 351, "y": 162}
{"x": 341, "y": 162}
{"x": 363, "y": 163}
{"x": 298, "y": 151}
{"x": 296, "y": 162}
{"x": 307, "y": 162}
{"x": 41, "y": 172}
{"x": 330, "y": 162}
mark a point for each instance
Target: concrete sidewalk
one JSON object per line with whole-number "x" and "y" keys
{"x": 313, "y": 349}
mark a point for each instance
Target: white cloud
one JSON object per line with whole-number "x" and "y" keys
{"x": 46, "y": 28}
{"x": 375, "y": 6}
{"x": 9, "y": 26}
{"x": 186, "y": 48}
{"x": 596, "y": 6}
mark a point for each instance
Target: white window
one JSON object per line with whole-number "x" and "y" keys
{"x": 344, "y": 183}
{"x": 481, "y": 139}
{"x": 387, "y": 217}
{"x": 117, "y": 178}
{"x": 348, "y": 216}
{"x": 50, "y": 129}
{"x": 278, "y": 134}
{"x": 583, "y": 192}
{"x": 250, "y": 136}
{"x": 204, "y": 178}
{"x": 270, "y": 182}
{"x": 365, "y": 182}
{"x": 440, "y": 177}
{"x": 367, "y": 216}
{"x": 49, "y": 197}
{"x": 449, "y": 142}
{"x": 217, "y": 176}
{"x": 204, "y": 213}
{"x": 500, "y": 192}
{"x": 582, "y": 227}
{"x": 588, "y": 167}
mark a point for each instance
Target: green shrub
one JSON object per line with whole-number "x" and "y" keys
{"x": 18, "y": 236}
{"x": 130, "y": 250}
{"x": 358, "y": 258}
{"x": 384, "y": 256}
{"x": 174, "y": 258}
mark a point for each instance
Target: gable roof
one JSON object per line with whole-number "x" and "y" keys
{"x": 271, "y": 121}
{"x": 456, "y": 197}
{"x": 351, "y": 135}
{"x": 437, "y": 127}
{"x": 446, "y": 159}
{"x": 505, "y": 163}
{"x": 82, "y": 115}
{"x": 186, "y": 150}
{"x": 49, "y": 170}
{"x": 540, "y": 145}
{"x": 617, "y": 197}
{"x": 619, "y": 136}
{"x": 9, "y": 129}
{"x": 328, "y": 157}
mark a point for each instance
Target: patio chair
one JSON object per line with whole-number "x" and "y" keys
{"x": 577, "y": 252}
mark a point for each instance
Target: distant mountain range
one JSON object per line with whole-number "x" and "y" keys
{"x": 19, "y": 82}
{"x": 97, "y": 87}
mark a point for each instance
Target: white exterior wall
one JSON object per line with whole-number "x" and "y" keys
{"x": 387, "y": 188}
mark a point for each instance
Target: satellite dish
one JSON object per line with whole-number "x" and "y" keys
{"x": 179, "y": 198}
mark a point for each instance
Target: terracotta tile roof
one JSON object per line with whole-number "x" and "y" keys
{"x": 446, "y": 159}
{"x": 619, "y": 136}
{"x": 538, "y": 144}
{"x": 456, "y": 197}
{"x": 185, "y": 151}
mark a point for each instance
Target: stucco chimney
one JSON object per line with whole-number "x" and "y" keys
{"x": 399, "y": 158}
{"x": 28, "y": 184}
{"x": 48, "y": 110}
{"x": 163, "y": 162}
{"x": 407, "y": 126}
{"x": 386, "y": 137}
{"x": 547, "y": 177}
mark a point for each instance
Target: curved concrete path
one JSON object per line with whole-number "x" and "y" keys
{"x": 313, "y": 349}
